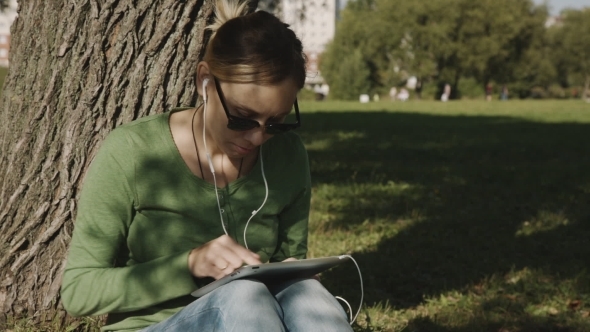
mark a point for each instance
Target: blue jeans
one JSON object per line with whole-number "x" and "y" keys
{"x": 302, "y": 305}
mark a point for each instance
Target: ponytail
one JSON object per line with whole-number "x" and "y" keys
{"x": 225, "y": 10}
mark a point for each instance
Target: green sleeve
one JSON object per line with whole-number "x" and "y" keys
{"x": 92, "y": 283}
{"x": 294, "y": 219}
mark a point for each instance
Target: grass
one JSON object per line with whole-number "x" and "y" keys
{"x": 463, "y": 216}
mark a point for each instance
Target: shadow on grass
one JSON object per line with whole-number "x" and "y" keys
{"x": 494, "y": 194}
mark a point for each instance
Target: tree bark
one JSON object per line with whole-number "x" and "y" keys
{"x": 77, "y": 70}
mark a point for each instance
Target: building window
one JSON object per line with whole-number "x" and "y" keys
{"x": 3, "y": 53}
{"x": 3, "y": 40}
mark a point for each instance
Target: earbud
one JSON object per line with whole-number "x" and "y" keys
{"x": 205, "y": 82}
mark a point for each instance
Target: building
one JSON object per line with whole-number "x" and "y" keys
{"x": 6, "y": 19}
{"x": 554, "y": 21}
{"x": 314, "y": 22}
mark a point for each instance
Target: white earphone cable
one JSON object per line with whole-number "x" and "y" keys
{"x": 349, "y": 307}
{"x": 209, "y": 156}
{"x": 353, "y": 319}
{"x": 265, "y": 197}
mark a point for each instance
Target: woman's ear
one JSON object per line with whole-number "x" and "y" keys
{"x": 203, "y": 76}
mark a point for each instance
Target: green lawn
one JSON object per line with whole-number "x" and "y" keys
{"x": 463, "y": 216}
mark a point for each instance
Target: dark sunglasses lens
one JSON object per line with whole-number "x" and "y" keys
{"x": 240, "y": 124}
{"x": 275, "y": 129}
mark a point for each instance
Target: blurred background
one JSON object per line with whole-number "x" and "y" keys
{"x": 444, "y": 49}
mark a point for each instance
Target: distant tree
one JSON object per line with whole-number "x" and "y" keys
{"x": 346, "y": 64}
{"x": 349, "y": 77}
{"x": 441, "y": 40}
{"x": 486, "y": 39}
{"x": 3, "y": 5}
{"x": 526, "y": 59}
{"x": 573, "y": 47}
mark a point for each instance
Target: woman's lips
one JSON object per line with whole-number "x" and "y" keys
{"x": 243, "y": 150}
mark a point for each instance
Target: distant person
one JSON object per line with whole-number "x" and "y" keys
{"x": 504, "y": 93}
{"x": 489, "y": 91}
{"x": 446, "y": 93}
{"x": 319, "y": 93}
{"x": 403, "y": 95}
{"x": 393, "y": 93}
{"x": 325, "y": 89}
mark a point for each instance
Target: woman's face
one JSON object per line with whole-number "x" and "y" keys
{"x": 262, "y": 103}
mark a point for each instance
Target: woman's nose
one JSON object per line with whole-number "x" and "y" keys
{"x": 256, "y": 136}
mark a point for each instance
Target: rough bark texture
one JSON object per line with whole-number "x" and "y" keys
{"x": 78, "y": 68}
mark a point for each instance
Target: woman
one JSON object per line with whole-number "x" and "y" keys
{"x": 175, "y": 200}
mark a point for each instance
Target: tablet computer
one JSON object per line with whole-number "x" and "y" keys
{"x": 276, "y": 272}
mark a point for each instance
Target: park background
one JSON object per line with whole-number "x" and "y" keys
{"x": 466, "y": 215}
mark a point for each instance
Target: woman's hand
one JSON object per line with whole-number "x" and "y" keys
{"x": 219, "y": 257}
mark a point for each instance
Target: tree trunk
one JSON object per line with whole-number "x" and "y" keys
{"x": 77, "y": 70}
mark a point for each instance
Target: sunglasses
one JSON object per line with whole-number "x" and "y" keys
{"x": 242, "y": 124}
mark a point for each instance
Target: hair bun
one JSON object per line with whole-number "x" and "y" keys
{"x": 225, "y": 10}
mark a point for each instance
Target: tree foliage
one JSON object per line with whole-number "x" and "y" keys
{"x": 353, "y": 76}
{"x": 572, "y": 47}
{"x": 347, "y": 62}
{"x": 441, "y": 41}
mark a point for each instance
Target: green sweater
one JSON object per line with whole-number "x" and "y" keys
{"x": 142, "y": 210}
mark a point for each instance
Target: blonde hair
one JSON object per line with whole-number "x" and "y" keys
{"x": 253, "y": 47}
{"x": 225, "y": 10}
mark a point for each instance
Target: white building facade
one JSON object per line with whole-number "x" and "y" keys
{"x": 6, "y": 19}
{"x": 314, "y": 22}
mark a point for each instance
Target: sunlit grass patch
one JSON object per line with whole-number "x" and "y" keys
{"x": 543, "y": 222}
{"x": 356, "y": 217}
{"x": 544, "y": 111}
{"x": 521, "y": 300}
{"x": 325, "y": 141}
{"x": 332, "y": 204}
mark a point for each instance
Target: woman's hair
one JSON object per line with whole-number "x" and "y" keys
{"x": 253, "y": 48}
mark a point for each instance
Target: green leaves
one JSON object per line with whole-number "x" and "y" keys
{"x": 440, "y": 41}
{"x": 349, "y": 77}
{"x": 573, "y": 41}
